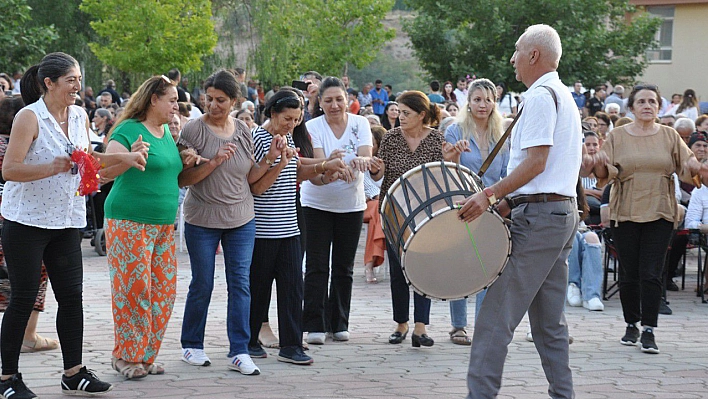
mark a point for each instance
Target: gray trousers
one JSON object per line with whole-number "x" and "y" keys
{"x": 535, "y": 279}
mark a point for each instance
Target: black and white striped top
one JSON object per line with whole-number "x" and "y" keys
{"x": 276, "y": 215}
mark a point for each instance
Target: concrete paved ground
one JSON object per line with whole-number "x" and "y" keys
{"x": 369, "y": 367}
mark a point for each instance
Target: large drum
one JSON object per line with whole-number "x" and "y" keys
{"x": 441, "y": 256}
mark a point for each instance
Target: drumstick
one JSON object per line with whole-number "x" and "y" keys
{"x": 474, "y": 244}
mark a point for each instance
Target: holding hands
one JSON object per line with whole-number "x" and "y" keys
{"x": 60, "y": 164}
{"x": 225, "y": 152}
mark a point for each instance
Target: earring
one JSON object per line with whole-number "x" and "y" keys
{"x": 469, "y": 109}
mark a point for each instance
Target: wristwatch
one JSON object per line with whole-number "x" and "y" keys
{"x": 490, "y": 195}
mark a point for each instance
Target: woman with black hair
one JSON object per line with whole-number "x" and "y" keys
{"x": 276, "y": 254}
{"x": 389, "y": 119}
{"x": 334, "y": 210}
{"x": 506, "y": 103}
{"x": 219, "y": 208}
{"x": 688, "y": 106}
{"x": 42, "y": 216}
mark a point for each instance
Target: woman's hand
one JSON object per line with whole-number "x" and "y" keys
{"x": 335, "y": 166}
{"x": 377, "y": 165}
{"x": 60, "y": 164}
{"x": 452, "y": 152}
{"x": 225, "y": 152}
{"x": 190, "y": 158}
{"x": 136, "y": 160}
{"x": 140, "y": 146}
{"x": 336, "y": 154}
{"x": 277, "y": 146}
{"x": 348, "y": 175}
{"x": 361, "y": 164}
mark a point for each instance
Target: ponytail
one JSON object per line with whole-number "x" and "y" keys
{"x": 30, "y": 86}
{"x": 433, "y": 117}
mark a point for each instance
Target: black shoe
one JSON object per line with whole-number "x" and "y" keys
{"x": 15, "y": 388}
{"x": 648, "y": 343}
{"x": 84, "y": 383}
{"x": 294, "y": 355}
{"x": 664, "y": 308}
{"x": 671, "y": 286}
{"x": 423, "y": 339}
{"x": 397, "y": 337}
{"x": 257, "y": 352}
{"x": 630, "y": 336}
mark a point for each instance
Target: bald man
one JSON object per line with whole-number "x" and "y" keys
{"x": 546, "y": 147}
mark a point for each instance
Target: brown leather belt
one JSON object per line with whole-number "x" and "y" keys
{"x": 534, "y": 198}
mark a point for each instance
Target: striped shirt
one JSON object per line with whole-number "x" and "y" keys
{"x": 276, "y": 215}
{"x": 588, "y": 182}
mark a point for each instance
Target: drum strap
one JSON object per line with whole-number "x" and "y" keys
{"x": 506, "y": 135}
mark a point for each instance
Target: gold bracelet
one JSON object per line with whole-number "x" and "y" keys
{"x": 316, "y": 168}
{"x": 322, "y": 179}
{"x": 323, "y": 166}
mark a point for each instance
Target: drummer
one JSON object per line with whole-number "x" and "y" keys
{"x": 479, "y": 126}
{"x": 411, "y": 144}
{"x": 544, "y": 157}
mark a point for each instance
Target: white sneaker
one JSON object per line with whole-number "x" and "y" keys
{"x": 341, "y": 336}
{"x": 316, "y": 338}
{"x": 594, "y": 304}
{"x": 244, "y": 365}
{"x": 573, "y": 295}
{"x": 195, "y": 357}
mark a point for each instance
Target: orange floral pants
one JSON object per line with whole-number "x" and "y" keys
{"x": 143, "y": 272}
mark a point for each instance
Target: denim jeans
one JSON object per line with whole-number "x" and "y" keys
{"x": 585, "y": 267}
{"x": 237, "y": 245}
{"x": 458, "y": 310}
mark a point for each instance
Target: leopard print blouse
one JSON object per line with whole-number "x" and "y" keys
{"x": 398, "y": 158}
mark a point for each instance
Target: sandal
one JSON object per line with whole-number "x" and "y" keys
{"x": 459, "y": 336}
{"x": 153, "y": 368}
{"x": 40, "y": 344}
{"x": 266, "y": 337}
{"x": 131, "y": 371}
{"x": 370, "y": 275}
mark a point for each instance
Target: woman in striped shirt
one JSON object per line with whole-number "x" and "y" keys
{"x": 276, "y": 254}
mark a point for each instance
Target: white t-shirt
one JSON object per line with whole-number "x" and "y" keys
{"x": 541, "y": 125}
{"x": 506, "y": 104}
{"x": 338, "y": 196}
{"x": 461, "y": 97}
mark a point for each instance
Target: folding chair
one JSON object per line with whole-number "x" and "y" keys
{"x": 610, "y": 256}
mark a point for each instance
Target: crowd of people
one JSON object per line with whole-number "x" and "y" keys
{"x": 273, "y": 178}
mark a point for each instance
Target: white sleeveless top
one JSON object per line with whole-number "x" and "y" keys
{"x": 52, "y": 202}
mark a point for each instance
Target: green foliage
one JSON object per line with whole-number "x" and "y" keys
{"x": 152, "y": 36}
{"x": 599, "y": 43}
{"x": 316, "y": 35}
{"x": 402, "y": 74}
{"x": 24, "y": 40}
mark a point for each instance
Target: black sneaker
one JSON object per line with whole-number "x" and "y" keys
{"x": 294, "y": 354}
{"x": 671, "y": 285}
{"x": 664, "y": 308}
{"x": 648, "y": 343}
{"x": 257, "y": 352}
{"x": 630, "y": 336}
{"x": 83, "y": 383}
{"x": 15, "y": 388}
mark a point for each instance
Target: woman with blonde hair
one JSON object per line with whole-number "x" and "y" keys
{"x": 479, "y": 124}
{"x": 140, "y": 216}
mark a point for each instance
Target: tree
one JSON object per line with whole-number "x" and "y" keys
{"x": 23, "y": 45}
{"x": 152, "y": 36}
{"x": 316, "y": 35}
{"x": 599, "y": 42}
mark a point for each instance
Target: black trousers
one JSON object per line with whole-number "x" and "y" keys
{"x": 25, "y": 248}
{"x": 279, "y": 260}
{"x": 325, "y": 311}
{"x": 642, "y": 250}
{"x": 401, "y": 293}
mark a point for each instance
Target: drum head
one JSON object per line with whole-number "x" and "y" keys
{"x": 446, "y": 260}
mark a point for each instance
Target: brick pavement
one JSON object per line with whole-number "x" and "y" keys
{"x": 368, "y": 367}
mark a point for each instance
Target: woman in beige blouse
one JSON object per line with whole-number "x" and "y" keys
{"x": 641, "y": 157}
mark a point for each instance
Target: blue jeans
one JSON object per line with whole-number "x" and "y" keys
{"x": 585, "y": 267}
{"x": 458, "y": 310}
{"x": 238, "y": 249}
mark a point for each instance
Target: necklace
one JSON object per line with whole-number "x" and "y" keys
{"x": 62, "y": 123}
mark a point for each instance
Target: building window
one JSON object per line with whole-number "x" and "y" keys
{"x": 664, "y": 36}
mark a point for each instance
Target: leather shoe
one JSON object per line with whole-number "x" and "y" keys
{"x": 671, "y": 285}
{"x": 423, "y": 339}
{"x": 397, "y": 337}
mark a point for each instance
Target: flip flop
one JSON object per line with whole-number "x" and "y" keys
{"x": 40, "y": 344}
{"x": 459, "y": 336}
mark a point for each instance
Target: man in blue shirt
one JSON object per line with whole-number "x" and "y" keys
{"x": 578, "y": 96}
{"x": 379, "y": 98}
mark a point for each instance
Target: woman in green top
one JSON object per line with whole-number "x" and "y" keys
{"x": 140, "y": 216}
